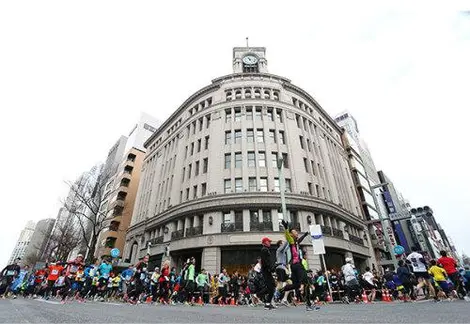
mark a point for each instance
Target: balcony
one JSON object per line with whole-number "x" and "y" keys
{"x": 261, "y": 226}
{"x": 326, "y": 230}
{"x": 194, "y": 231}
{"x": 356, "y": 239}
{"x": 177, "y": 235}
{"x": 338, "y": 233}
{"x": 231, "y": 227}
{"x": 156, "y": 240}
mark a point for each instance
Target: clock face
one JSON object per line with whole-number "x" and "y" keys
{"x": 250, "y": 59}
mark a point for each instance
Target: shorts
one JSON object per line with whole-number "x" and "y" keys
{"x": 368, "y": 286}
{"x": 423, "y": 275}
{"x": 281, "y": 275}
{"x": 444, "y": 285}
{"x": 103, "y": 282}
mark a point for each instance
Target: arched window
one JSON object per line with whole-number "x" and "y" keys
{"x": 276, "y": 95}
{"x": 257, "y": 93}
{"x": 238, "y": 94}
{"x": 228, "y": 95}
{"x": 267, "y": 94}
{"x": 248, "y": 93}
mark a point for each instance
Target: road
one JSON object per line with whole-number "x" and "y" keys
{"x": 39, "y": 311}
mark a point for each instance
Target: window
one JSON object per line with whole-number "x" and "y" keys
{"x": 227, "y": 217}
{"x": 208, "y": 121}
{"x": 247, "y": 93}
{"x": 310, "y": 188}
{"x": 301, "y": 139}
{"x": 186, "y": 152}
{"x": 228, "y": 95}
{"x": 238, "y": 136}
{"x": 317, "y": 189}
{"x": 238, "y": 94}
{"x": 228, "y": 160}
{"x": 238, "y": 160}
{"x": 203, "y": 189}
{"x": 197, "y": 169}
{"x": 274, "y": 159}
{"x": 309, "y": 146}
{"x": 194, "y": 127}
{"x": 187, "y": 193}
{"x": 312, "y": 164}
{"x": 267, "y": 94}
{"x": 182, "y": 178}
{"x": 194, "y": 192}
{"x": 227, "y": 186}
{"x": 238, "y": 114}
{"x": 200, "y": 124}
{"x": 263, "y": 184}
{"x": 285, "y": 160}
{"x": 181, "y": 196}
{"x": 258, "y": 114}
{"x": 251, "y": 159}
{"x": 306, "y": 165}
{"x": 297, "y": 119}
{"x": 205, "y": 163}
{"x": 206, "y": 143}
{"x": 249, "y": 113}
{"x": 276, "y": 95}
{"x": 199, "y": 145}
{"x": 272, "y": 135}
{"x": 228, "y": 137}
{"x": 267, "y": 218}
{"x": 288, "y": 185}
{"x": 257, "y": 93}
{"x": 276, "y": 185}
{"x": 282, "y": 138}
{"x": 250, "y": 137}
{"x": 190, "y": 169}
{"x": 270, "y": 114}
{"x": 192, "y": 149}
{"x": 228, "y": 115}
{"x": 262, "y": 159}
{"x": 279, "y": 115}
{"x": 259, "y": 136}
{"x": 238, "y": 185}
{"x": 252, "y": 184}
{"x": 254, "y": 217}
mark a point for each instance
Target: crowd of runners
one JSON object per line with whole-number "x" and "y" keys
{"x": 275, "y": 279}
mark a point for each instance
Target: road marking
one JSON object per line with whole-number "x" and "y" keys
{"x": 48, "y": 301}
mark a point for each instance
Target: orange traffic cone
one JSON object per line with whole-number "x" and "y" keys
{"x": 220, "y": 302}
{"x": 388, "y": 298}
{"x": 199, "y": 300}
{"x": 384, "y": 295}
{"x": 328, "y": 298}
{"x": 365, "y": 299}
{"x": 232, "y": 301}
{"x": 149, "y": 299}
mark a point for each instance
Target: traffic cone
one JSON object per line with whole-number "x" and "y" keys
{"x": 149, "y": 299}
{"x": 220, "y": 302}
{"x": 365, "y": 299}
{"x": 384, "y": 295}
{"x": 328, "y": 298}
{"x": 232, "y": 301}
{"x": 199, "y": 300}
{"x": 388, "y": 298}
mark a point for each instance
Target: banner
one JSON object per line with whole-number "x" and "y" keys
{"x": 317, "y": 239}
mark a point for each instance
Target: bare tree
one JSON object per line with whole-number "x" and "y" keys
{"x": 465, "y": 259}
{"x": 64, "y": 238}
{"x": 87, "y": 208}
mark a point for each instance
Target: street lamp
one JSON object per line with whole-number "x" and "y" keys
{"x": 384, "y": 225}
{"x": 280, "y": 165}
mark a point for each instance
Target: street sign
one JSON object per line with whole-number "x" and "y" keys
{"x": 399, "y": 250}
{"x": 115, "y": 252}
{"x": 399, "y": 216}
{"x": 317, "y": 239}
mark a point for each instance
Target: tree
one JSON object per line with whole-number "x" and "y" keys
{"x": 85, "y": 205}
{"x": 465, "y": 259}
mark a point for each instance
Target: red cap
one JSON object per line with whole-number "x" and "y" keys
{"x": 265, "y": 240}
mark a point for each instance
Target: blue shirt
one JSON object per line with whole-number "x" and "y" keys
{"x": 104, "y": 270}
{"x": 127, "y": 274}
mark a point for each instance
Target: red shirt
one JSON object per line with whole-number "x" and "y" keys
{"x": 39, "y": 275}
{"x": 449, "y": 264}
{"x": 54, "y": 271}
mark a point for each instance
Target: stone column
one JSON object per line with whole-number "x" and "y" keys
{"x": 211, "y": 257}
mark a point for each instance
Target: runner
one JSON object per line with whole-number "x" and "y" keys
{"x": 405, "y": 277}
{"x": 202, "y": 281}
{"x": 450, "y": 266}
{"x": 420, "y": 271}
{"x": 298, "y": 273}
{"x": 350, "y": 281}
{"x": 164, "y": 283}
{"x": 55, "y": 270}
{"x": 126, "y": 277}
{"x": 266, "y": 270}
{"x": 8, "y": 274}
{"x": 190, "y": 285}
{"x": 104, "y": 271}
{"x": 140, "y": 276}
{"x": 369, "y": 284}
{"x": 440, "y": 278}
{"x": 281, "y": 270}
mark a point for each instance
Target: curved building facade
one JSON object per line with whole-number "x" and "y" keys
{"x": 210, "y": 185}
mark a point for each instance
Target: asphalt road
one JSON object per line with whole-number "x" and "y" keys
{"x": 39, "y": 311}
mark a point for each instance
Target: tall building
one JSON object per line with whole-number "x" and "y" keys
{"x": 38, "y": 243}
{"x": 23, "y": 242}
{"x": 368, "y": 184}
{"x": 210, "y": 186}
{"x": 122, "y": 170}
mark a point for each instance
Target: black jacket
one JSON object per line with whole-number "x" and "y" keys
{"x": 266, "y": 260}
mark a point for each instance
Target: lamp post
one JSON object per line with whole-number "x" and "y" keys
{"x": 280, "y": 166}
{"x": 384, "y": 225}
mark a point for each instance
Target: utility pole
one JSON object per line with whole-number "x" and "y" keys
{"x": 384, "y": 225}
{"x": 280, "y": 171}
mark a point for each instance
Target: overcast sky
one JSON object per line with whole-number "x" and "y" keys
{"x": 74, "y": 76}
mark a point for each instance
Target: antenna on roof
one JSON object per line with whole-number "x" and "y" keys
{"x": 247, "y": 42}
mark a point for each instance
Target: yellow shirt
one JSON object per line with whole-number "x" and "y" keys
{"x": 438, "y": 273}
{"x": 116, "y": 281}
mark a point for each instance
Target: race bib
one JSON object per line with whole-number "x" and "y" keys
{"x": 54, "y": 272}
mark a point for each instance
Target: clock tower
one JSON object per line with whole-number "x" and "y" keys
{"x": 249, "y": 60}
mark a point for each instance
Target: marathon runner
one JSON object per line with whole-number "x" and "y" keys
{"x": 420, "y": 271}
{"x": 8, "y": 274}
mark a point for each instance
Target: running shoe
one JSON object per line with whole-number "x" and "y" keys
{"x": 285, "y": 303}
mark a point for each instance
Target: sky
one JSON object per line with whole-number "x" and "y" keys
{"x": 75, "y": 75}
